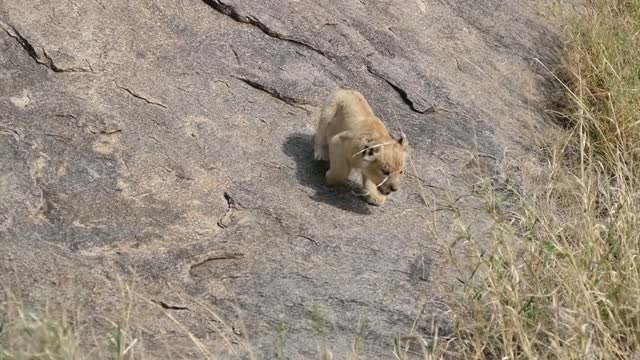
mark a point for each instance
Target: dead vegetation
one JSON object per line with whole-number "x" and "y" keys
{"x": 561, "y": 279}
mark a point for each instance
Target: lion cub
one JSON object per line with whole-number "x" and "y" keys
{"x": 350, "y": 136}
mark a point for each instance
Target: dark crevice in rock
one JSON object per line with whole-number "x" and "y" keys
{"x": 225, "y": 256}
{"x": 48, "y": 208}
{"x": 49, "y": 62}
{"x": 43, "y": 58}
{"x": 458, "y": 65}
{"x": 308, "y": 238}
{"x": 67, "y": 115}
{"x": 138, "y": 96}
{"x": 161, "y": 124}
{"x": 154, "y": 139}
{"x": 12, "y": 32}
{"x": 231, "y": 12}
{"x": 403, "y": 94}
{"x": 229, "y": 217}
{"x": 230, "y": 201}
{"x": 235, "y": 53}
{"x": 286, "y": 229}
{"x": 5, "y": 130}
{"x": 222, "y": 82}
{"x": 276, "y": 94}
{"x": 164, "y": 305}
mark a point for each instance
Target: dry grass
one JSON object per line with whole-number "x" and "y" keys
{"x": 34, "y": 335}
{"x": 562, "y": 278}
{"x": 40, "y": 331}
{"x": 47, "y": 331}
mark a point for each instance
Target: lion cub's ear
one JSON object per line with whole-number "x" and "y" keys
{"x": 370, "y": 152}
{"x": 403, "y": 141}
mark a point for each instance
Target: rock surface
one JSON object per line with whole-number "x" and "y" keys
{"x": 170, "y": 142}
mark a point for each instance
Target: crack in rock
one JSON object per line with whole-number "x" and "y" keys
{"x": 223, "y": 256}
{"x": 48, "y": 208}
{"x": 403, "y": 94}
{"x": 5, "y": 130}
{"x": 288, "y": 229}
{"x": 232, "y": 12}
{"x": 138, "y": 96}
{"x": 164, "y": 305}
{"x": 307, "y": 238}
{"x": 230, "y": 216}
{"x": 276, "y": 94}
{"x": 40, "y": 54}
{"x": 230, "y": 201}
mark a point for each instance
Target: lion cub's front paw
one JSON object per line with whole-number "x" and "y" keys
{"x": 321, "y": 153}
{"x": 375, "y": 199}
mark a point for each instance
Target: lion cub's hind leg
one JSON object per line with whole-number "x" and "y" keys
{"x": 339, "y": 167}
{"x": 320, "y": 140}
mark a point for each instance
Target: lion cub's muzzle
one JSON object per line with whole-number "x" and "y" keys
{"x": 389, "y": 190}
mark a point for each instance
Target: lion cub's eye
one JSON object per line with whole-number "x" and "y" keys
{"x": 385, "y": 173}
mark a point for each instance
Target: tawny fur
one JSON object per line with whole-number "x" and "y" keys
{"x": 350, "y": 136}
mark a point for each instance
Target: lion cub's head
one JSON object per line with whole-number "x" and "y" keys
{"x": 384, "y": 163}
